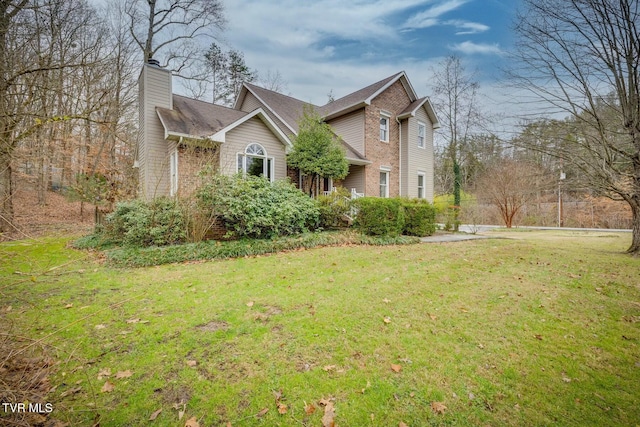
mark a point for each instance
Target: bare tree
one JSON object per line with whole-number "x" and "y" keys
{"x": 508, "y": 185}
{"x": 167, "y": 30}
{"x": 582, "y": 57}
{"x": 273, "y": 80}
{"x": 455, "y": 98}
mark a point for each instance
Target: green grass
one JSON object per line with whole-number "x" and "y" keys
{"x": 542, "y": 328}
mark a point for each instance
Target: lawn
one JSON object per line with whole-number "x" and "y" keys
{"x": 536, "y": 328}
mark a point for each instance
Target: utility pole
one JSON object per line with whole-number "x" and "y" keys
{"x": 563, "y": 176}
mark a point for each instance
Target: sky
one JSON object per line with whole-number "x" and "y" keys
{"x": 341, "y": 46}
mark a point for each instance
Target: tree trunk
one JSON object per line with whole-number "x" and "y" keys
{"x": 6, "y": 194}
{"x": 634, "y": 249}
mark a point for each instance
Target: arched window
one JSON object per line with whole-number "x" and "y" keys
{"x": 254, "y": 161}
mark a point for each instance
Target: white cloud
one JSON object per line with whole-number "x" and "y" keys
{"x": 467, "y": 27}
{"x": 428, "y": 18}
{"x": 471, "y": 48}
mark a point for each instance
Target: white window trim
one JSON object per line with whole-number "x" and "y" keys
{"x": 173, "y": 172}
{"x": 266, "y": 157}
{"x": 424, "y": 185}
{"x": 387, "y": 172}
{"x": 384, "y": 114}
{"x": 424, "y": 136}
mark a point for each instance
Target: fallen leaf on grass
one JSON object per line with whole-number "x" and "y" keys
{"x": 438, "y": 407}
{"x": 282, "y": 408}
{"x": 401, "y": 424}
{"x": 309, "y": 408}
{"x": 181, "y": 408}
{"x": 192, "y": 422}
{"x": 396, "y": 368}
{"x": 387, "y": 319}
{"x": 191, "y": 363}
{"x": 133, "y": 320}
{"x": 433, "y": 316}
{"x": 386, "y": 301}
{"x": 105, "y": 372}
{"x": 329, "y": 414}
{"x": 250, "y": 304}
{"x": 262, "y": 413}
{"x": 124, "y": 374}
{"x": 108, "y": 387}
{"x": 155, "y": 414}
{"x": 538, "y": 337}
{"x": 68, "y": 306}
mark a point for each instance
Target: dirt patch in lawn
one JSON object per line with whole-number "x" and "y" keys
{"x": 213, "y": 326}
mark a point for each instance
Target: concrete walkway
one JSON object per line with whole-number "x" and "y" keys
{"x": 466, "y": 233}
{"x": 443, "y": 237}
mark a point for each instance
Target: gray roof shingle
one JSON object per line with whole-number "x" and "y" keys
{"x": 197, "y": 119}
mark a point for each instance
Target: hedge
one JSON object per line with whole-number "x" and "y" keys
{"x": 420, "y": 218}
{"x": 379, "y": 216}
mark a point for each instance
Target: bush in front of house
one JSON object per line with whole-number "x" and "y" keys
{"x": 335, "y": 209}
{"x": 379, "y": 216}
{"x": 254, "y": 207}
{"x": 137, "y": 223}
{"x": 419, "y": 217}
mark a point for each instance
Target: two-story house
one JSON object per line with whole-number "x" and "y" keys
{"x": 385, "y": 129}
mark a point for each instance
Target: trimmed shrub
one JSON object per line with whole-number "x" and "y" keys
{"x": 379, "y": 216}
{"x": 334, "y": 208}
{"x": 138, "y": 223}
{"x": 254, "y": 207}
{"x": 420, "y": 217}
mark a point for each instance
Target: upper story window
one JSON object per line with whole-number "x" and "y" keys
{"x": 384, "y": 127}
{"x": 254, "y": 161}
{"x": 422, "y": 131}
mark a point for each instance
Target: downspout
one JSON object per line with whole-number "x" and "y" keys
{"x": 399, "y": 157}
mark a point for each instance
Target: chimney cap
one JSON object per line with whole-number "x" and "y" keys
{"x": 152, "y": 61}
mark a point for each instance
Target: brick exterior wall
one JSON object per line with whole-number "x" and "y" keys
{"x": 217, "y": 231}
{"x": 393, "y": 101}
{"x": 294, "y": 176}
{"x": 191, "y": 160}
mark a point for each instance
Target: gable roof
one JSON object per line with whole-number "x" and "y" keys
{"x": 195, "y": 119}
{"x": 285, "y": 108}
{"x": 365, "y": 96}
{"x": 288, "y": 109}
{"x": 411, "y": 109}
{"x": 221, "y": 135}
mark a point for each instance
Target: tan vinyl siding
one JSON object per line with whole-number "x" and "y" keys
{"x": 420, "y": 159}
{"x": 251, "y": 103}
{"x": 351, "y": 129}
{"x": 404, "y": 158}
{"x": 154, "y": 91}
{"x": 252, "y": 131}
{"x": 355, "y": 179}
